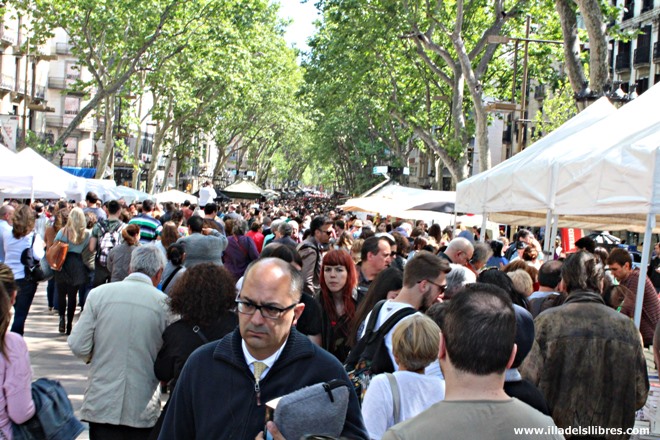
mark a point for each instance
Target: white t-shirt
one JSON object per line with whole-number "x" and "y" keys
{"x": 206, "y": 195}
{"x": 388, "y": 309}
{"x": 416, "y": 391}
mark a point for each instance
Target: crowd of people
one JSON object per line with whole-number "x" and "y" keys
{"x": 436, "y": 333}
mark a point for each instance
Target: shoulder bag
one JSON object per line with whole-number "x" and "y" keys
{"x": 33, "y": 271}
{"x": 56, "y": 254}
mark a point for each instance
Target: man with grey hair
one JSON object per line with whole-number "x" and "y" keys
{"x": 457, "y": 279}
{"x": 224, "y": 386}
{"x": 459, "y": 251}
{"x": 482, "y": 252}
{"x": 274, "y": 232}
{"x": 286, "y": 231}
{"x": 120, "y": 333}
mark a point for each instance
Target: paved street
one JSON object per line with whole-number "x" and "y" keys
{"x": 50, "y": 354}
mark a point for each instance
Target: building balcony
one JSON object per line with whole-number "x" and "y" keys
{"x": 7, "y": 83}
{"x": 64, "y": 83}
{"x": 40, "y": 92}
{"x": 64, "y": 121}
{"x": 56, "y": 82}
{"x": 86, "y": 163}
{"x": 25, "y": 89}
{"x": 622, "y": 61}
{"x": 642, "y": 56}
{"x": 8, "y": 36}
{"x": 63, "y": 48}
{"x": 656, "y": 52}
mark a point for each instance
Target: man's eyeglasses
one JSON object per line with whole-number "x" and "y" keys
{"x": 325, "y": 232}
{"x": 270, "y": 312}
{"x": 441, "y": 288}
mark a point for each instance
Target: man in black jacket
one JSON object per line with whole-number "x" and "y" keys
{"x": 223, "y": 388}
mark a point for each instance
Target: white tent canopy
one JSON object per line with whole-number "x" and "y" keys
{"x": 399, "y": 201}
{"x": 175, "y": 196}
{"x": 106, "y": 189}
{"x": 607, "y": 174}
{"x": 11, "y": 176}
{"x": 30, "y": 175}
{"x": 506, "y": 188}
{"x": 131, "y": 195}
{"x": 601, "y": 178}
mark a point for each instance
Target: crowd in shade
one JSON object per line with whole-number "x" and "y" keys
{"x": 430, "y": 332}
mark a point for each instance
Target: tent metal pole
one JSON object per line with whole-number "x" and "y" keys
{"x": 548, "y": 225}
{"x": 484, "y": 225}
{"x": 553, "y": 234}
{"x": 646, "y": 251}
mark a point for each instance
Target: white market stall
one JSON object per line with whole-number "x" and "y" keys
{"x": 175, "y": 196}
{"x": 131, "y": 195}
{"x": 243, "y": 189}
{"x": 405, "y": 202}
{"x": 507, "y": 192}
{"x": 28, "y": 175}
{"x": 607, "y": 174}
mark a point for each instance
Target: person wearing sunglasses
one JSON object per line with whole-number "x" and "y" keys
{"x": 312, "y": 251}
{"x": 459, "y": 251}
{"x": 224, "y": 386}
{"x": 423, "y": 283}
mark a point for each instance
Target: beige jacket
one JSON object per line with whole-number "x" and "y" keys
{"x": 120, "y": 333}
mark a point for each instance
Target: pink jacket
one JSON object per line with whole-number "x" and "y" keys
{"x": 16, "y": 377}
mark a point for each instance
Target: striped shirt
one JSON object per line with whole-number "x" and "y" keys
{"x": 149, "y": 227}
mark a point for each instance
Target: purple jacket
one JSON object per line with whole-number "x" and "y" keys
{"x": 240, "y": 252}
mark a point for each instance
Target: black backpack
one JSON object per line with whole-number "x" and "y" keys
{"x": 370, "y": 355}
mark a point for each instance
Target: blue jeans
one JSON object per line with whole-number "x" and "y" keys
{"x": 26, "y": 291}
{"x": 51, "y": 294}
{"x": 84, "y": 290}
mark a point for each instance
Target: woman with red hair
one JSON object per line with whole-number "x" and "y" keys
{"x": 338, "y": 280}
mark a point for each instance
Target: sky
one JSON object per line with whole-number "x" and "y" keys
{"x": 303, "y": 16}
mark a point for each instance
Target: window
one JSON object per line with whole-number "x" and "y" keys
{"x": 642, "y": 85}
{"x": 629, "y": 9}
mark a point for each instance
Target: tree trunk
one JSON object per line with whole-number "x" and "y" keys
{"x": 168, "y": 165}
{"x": 138, "y": 145}
{"x": 457, "y": 168}
{"x": 476, "y": 91}
{"x": 567, "y": 16}
{"x": 109, "y": 142}
{"x": 155, "y": 154}
{"x": 177, "y": 174}
{"x": 599, "y": 73}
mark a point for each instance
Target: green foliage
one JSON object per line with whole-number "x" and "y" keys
{"x": 558, "y": 108}
{"x": 40, "y": 145}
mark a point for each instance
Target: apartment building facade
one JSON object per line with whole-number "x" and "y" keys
{"x": 636, "y": 63}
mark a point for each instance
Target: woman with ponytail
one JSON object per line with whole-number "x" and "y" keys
{"x": 16, "y": 404}
{"x": 119, "y": 257}
{"x": 174, "y": 269}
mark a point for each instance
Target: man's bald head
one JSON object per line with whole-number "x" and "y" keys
{"x": 280, "y": 271}
{"x": 460, "y": 250}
